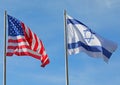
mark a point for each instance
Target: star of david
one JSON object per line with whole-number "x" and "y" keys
{"x": 88, "y": 35}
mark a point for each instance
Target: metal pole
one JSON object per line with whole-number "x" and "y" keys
{"x": 4, "y": 59}
{"x": 66, "y": 47}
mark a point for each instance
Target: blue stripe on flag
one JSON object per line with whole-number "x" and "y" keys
{"x": 74, "y": 21}
{"x": 90, "y": 48}
{"x": 106, "y": 53}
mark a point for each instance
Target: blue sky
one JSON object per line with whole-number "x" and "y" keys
{"x": 45, "y": 18}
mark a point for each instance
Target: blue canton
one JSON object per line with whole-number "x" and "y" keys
{"x": 14, "y": 27}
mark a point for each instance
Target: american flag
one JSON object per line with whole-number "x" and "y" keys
{"x": 23, "y": 42}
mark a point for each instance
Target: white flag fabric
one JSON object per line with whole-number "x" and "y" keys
{"x": 81, "y": 38}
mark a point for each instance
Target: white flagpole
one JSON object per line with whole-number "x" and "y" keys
{"x": 4, "y": 59}
{"x": 66, "y": 47}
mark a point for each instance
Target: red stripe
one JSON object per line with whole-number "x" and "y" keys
{"x": 20, "y": 47}
{"x": 36, "y": 43}
{"x": 24, "y": 54}
{"x": 30, "y": 38}
{"x": 45, "y": 61}
{"x": 24, "y": 30}
{"x": 27, "y": 37}
{"x": 44, "y": 64}
{"x": 16, "y": 41}
{"x": 44, "y": 58}
{"x": 9, "y": 54}
{"x": 42, "y": 48}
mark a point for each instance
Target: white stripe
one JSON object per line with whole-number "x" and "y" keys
{"x": 45, "y": 60}
{"x": 10, "y": 50}
{"x": 26, "y": 30}
{"x": 72, "y": 35}
{"x": 33, "y": 40}
{"x": 39, "y": 45}
{"x": 74, "y": 51}
{"x": 28, "y": 34}
{"x": 18, "y": 44}
{"x": 24, "y": 50}
{"x": 69, "y": 17}
{"x": 16, "y": 37}
{"x": 44, "y": 53}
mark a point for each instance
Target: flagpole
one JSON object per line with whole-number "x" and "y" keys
{"x": 66, "y": 46}
{"x": 4, "y": 59}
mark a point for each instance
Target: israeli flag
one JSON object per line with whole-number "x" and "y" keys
{"x": 81, "y": 38}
